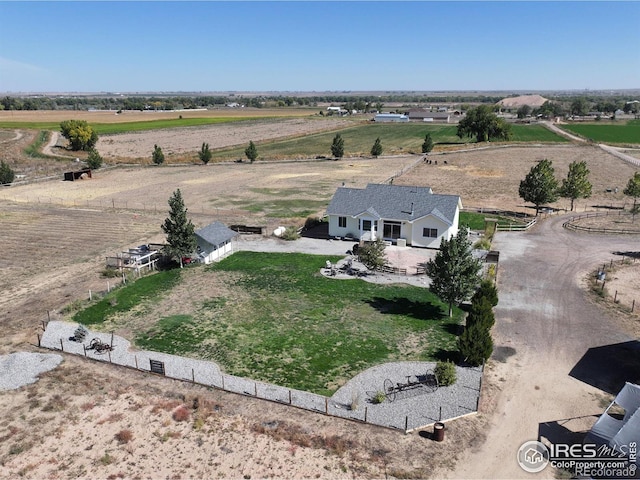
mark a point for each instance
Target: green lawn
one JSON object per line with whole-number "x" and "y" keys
{"x": 623, "y": 133}
{"x": 284, "y": 323}
{"x": 475, "y": 220}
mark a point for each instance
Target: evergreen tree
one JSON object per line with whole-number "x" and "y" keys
{"x": 376, "y": 150}
{"x": 577, "y": 184}
{"x": 157, "y": 156}
{"x": 7, "y": 175}
{"x": 481, "y": 313}
{"x": 337, "y": 147}
{"x": 475, "y": 344}
{"x": 427, "y": 146}
{"x": 251, "y": 152}
{"x": 539, "y": 186}
{"x": 205, "y": 154}
{"x": 94, "y": 160}
{"x": 454, "y": 271}
{"x": 179, "y": 229}
{"x": 488, "y": 290}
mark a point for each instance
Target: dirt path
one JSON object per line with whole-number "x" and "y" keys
{"x": 546, "y": 322}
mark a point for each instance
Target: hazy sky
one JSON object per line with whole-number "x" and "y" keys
{"x": 147, "y": 46}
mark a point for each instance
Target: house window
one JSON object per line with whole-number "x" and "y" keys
{"x": 430, "y": 232}
{"x": 342, "y": 222}
{"x": 365, "y": 225}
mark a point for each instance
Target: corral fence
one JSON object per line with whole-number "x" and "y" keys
{"x": 627, "y": 302}
{"x": 516, "y": 221}
{"x": 116, "y": 204}
{"x": 571, "y": 224}
{"x": 57, "y": 336}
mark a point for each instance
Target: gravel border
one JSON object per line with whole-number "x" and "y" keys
{"x": 22, "y": 368}
{"x": 413, "y": 409}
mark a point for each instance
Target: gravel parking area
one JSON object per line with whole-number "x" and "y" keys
{"x": 22, "y": 368}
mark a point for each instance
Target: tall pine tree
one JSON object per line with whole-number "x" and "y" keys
{"x": 181, "y": 241}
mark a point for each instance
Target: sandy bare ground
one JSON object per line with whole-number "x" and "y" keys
{"x": 182, "y": 140}
{"x": 64, "y": 426}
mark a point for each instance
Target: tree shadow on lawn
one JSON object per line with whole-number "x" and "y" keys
{"x": 410, "y": 308}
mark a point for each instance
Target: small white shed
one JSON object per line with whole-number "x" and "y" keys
{"x": 215, "y": 241}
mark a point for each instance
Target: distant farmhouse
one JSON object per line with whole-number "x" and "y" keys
{"x": 404, "y": 215}
{"x": 428, "y": 116}
{"x": 390, "y": 117}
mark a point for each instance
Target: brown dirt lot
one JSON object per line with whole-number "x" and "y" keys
{"x": 490, "y": 177}
{"x": 64, "y": 426}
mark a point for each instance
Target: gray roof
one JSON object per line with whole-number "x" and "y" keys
{"x": 216, "y": 233}
{"x": 393, "y": 202}
{"x": 427, "y": 114}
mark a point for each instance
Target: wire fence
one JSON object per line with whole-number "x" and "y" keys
{"x": 607, "y": 288}
{"x": 414, "y": 412}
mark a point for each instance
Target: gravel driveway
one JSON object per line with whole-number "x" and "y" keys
{"x": 545, "y": 324}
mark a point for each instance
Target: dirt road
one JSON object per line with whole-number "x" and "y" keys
{"x": 545, "y": 321}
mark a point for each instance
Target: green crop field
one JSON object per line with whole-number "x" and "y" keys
{"x": 284, "y": 323}
{"x": 113, "y": 128}
{"x": 608, "y": 133}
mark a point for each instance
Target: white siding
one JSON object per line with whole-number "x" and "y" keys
{"x": 416, "y": 237}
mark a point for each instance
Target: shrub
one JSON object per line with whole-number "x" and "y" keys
{"x": 7, "y": 175}
{"x": 124, "y": 436}
{"x": 311, "y": 222}
{"x": 378, "y": 397}
{"x": 181, "y": 414}
{"x": 445, "y": 372}
{"x": 157, "y": 156}
{"x": 290, "y": 233}
{"x": 482, "y": 244}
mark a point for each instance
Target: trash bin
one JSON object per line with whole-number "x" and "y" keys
{"x": 401, "y": 242}
{"x": 438, "y": 431}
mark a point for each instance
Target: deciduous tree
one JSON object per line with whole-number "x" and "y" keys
{"x": 337, "y": 147}
{"x": 181, "y": 241}
{"x": 577, "y": 184}
{"x": 454, "y": 271}
{"x": 524, "y": 111}
{"x": 251, "y": 152}
{"x": 79, "y": 133}
{"x": 482, "y": 123}
{"x": 633, "y": 190}
{"x": 540, "y": 185}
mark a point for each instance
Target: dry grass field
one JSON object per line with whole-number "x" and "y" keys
{"x": 88, "y": 420}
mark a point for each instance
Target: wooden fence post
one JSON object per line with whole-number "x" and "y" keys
{"x": 615, "y": 297}
{"x": 406, "y": 423}
{"x": 38, "y": 339}
{"x": 326, "y": 405}
{"x": 365, "y": 414}
{"x": 289, "y": 397}
{"x": 633, "y": 304}
{"x": 61, "y": 345}
{"x": 222, "y": 381}
{"x": 135, "y": 357}
{"x": 193, "y": 376}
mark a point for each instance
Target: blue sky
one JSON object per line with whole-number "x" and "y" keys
{"x": 318, "y": 46}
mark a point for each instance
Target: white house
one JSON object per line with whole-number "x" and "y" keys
{"x": 415, "y": 215}
{"x": 215, "y": 241}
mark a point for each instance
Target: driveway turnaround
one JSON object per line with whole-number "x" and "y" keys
{"x": 546, "y": 327}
